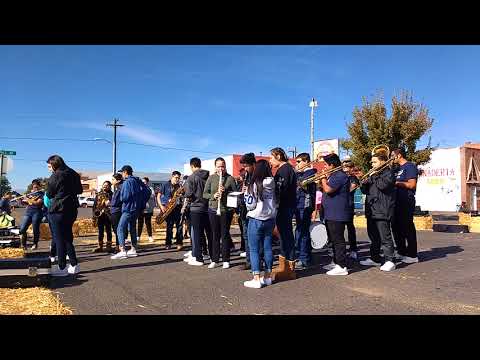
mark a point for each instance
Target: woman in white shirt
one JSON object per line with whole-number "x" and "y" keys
{"x": 262, "y": 210}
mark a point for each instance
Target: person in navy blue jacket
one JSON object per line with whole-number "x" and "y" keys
{"x": 134, "y": 196}
{"x": 116, "y": 206}
{"x": 303, "y": 213}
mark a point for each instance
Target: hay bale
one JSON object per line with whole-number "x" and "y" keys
{"x": 32, "y": 301}
{"x": 423, "y": 222}
{"x": 11, "y": 253}
{"x": 464, "y": 219}
{"x": 475, "y": 224}
{"x": 360, "y": 221}
{"x": 44, "y": 231}
{"x": 86, "y": 228}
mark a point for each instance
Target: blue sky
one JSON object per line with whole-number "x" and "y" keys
{"x": 218, "y": 99}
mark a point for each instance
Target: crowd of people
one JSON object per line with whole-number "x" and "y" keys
{"x": 273, "y": 194}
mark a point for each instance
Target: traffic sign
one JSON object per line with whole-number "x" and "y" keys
{"x": 8, "y": 152}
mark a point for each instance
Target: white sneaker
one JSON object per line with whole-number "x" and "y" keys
{"x": 67, "y": 258}
{"x": 119, "y": 255}
{"x": 388, "y": 266}
{"x": 353, "y": 255}
{"x": 73, "y": 269}
{"x": 212, "y": 265}
{"x": 409, "y": 260}
{"x": 57, "y": 272}
{"x": 226, "y": 265}
{"x": 338, "y": 270}
{"x": 132, "y": 252}
{"x": 188, "y": 259}
{"x": 52, "y": 259}
{"x": 329, "y": 266}
{"x": 194, "y": 262}
{"x": 369, "y": 262}
{"x": 265, "y": 282}
{"x": 254, "y": 284}
{"x": 188, "y": 254}
{"x": 150, "y": 239}
{"x": 243, "y": 254}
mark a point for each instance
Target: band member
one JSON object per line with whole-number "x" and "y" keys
{"x": 348, "y": 168}
{"x": 33, "y": 215}
{"x": 101, "y": 214}
{"x": 286, "y": 190}
{"x": 134, "y": 196}
{"x": 261, "y": 205}
{"x": 200, "y": 224}
{"x": 403, "y": 226}
{"x": 248, "y": 162}
{"x": 116, "y": 207}
{"x": 146, "y": 215}
{"x": 217, "y": 187}
{"x": 303, "y": 213}
{"x": 62, "y": 189}
{"x": 379, "y": 211}
{"x": 5, "y": 203}
{"x": 164, "y": 196}
{"x": 337, "y": 212}
{"x": 185, "y": 212}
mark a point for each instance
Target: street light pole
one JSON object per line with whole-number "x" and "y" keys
{"x": 313, "y": 104}
{"x": 115, "y": 125}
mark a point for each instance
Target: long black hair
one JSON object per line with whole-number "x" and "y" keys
{"x": 262, "y": 171}
{"x": 56, "y": 162}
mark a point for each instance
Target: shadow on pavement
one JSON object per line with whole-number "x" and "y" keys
{"x": 67, "y": 281}
{"x": 438, "y": 253}
{"x": 135, "y": 265}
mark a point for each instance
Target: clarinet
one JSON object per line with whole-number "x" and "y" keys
{"x": 220, "y": 197}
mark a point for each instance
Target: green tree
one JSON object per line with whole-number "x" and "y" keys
{"x": 43, "y": 182}
{"x": 371, "y": 126}
{"x": 5, "y": 185}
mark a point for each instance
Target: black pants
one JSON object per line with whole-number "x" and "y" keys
{"x": 336, "y": 233}
{"x": 242, "y": 233}
{"x": 200, "y": 225}
{"x": 147, "y": 218}
{"x": 115, "y": 220}
{"x": 219, "y": 236}
{"x": 104, "y": 224}
{"x": 404, "y": 231}
{"x": 174, "y": 219}
{"x": 352, "y": 236}
{"x": 61, "y": 225}
{"x": 229, "y": 224}
{"x": 381, "y": 238}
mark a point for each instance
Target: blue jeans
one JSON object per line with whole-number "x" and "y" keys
{"x": 303, "y": 219}
{"x": 127, "y": 220}
{"x": 285, "y": 229}
{"x": 61, "y": 226}
{"x": 260, "y": 235}
{"x": 32, "y": 217}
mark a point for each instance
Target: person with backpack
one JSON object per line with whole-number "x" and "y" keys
{"x": 134, "y": 196}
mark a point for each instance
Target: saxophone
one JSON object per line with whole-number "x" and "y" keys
{"x": 101, "y": 208}
{"x": 172, "y": 203}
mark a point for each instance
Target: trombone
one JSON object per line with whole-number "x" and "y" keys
{"x": 317, "y": 177}
{"x": 376, "y": 150}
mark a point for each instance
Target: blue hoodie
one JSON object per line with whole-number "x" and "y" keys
{"x": 134, "y": 195}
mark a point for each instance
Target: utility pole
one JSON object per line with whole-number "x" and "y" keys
{"x": 115, "y": 125}
{"x": 313, "y": 104}
{"x": 1, "y": 175}
{"x": 293, "y": 150}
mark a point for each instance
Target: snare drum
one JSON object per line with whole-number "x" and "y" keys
{"x": 318, "y": 235}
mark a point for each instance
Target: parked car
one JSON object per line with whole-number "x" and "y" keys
{"x": 86, "y": 201}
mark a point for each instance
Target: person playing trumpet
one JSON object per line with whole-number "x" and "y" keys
{"x": 379, "y": 187}
{"x": 337, "y": 212}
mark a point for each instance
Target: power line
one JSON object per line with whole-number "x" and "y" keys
{"x": 44, "y": 139}
{"x": 171, "y": 148}
{"x": 78, "y": 161}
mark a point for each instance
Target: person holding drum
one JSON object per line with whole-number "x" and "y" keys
{"x": 336, "y": 204}
{"x": 303, "y": 213}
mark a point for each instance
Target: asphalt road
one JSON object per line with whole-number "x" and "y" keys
{"x": 446, "y": 281}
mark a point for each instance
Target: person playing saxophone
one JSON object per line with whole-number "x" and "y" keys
{"x": 165, "y": 194}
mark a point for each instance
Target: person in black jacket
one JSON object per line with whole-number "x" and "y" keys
{"x": 63, "y": 187}
{"x": 379, "y": 211}
{"x": 348, "y": 168}
{"x": 303, "y": 213}
{"x": 200, "y": 223}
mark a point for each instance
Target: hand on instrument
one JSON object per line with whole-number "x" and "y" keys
{"x": 244, "y": 189}
{"x": 221, "y": 188}
{"x": 163, "y": 208}
{"x": 217, "y": 195}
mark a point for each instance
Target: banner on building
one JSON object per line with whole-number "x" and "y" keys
{"x": 325, "y": 147}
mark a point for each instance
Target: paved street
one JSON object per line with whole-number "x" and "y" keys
{"x": 446, "y": 281}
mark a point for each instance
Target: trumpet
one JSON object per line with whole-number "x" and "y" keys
{"x": 317, "y": 177}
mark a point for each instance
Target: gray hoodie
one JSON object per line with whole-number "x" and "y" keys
{"x": 258, "y": 209}
{"x": 150, "y": 203}
{"x": 194, "y": 187}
